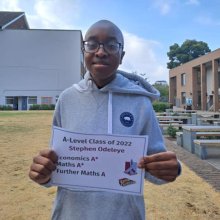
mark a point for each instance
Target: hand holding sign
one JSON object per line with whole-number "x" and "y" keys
{"x": 98, "y": 162}
{"x": 162, "y": 165}
{"x": 42, "y": 166}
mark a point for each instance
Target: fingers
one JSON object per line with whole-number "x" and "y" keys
{"x": 42, "y": 166}
{"x": 162, "y": 165}
{"x": 141, "y": 163}
{"x": 38, "y": 178}
{"x": 161, "y": 160}
{"x": 41, "y": 169}
{"x": 49, "y": 154}
{"x": 46, "y": 162}
{"x": 163, "y": 156}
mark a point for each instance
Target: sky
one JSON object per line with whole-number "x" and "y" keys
{"x": 150, "y": 27}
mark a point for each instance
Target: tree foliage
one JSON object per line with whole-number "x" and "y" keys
{"x": 189, "y": 50}
{"x": 164, "y": 91}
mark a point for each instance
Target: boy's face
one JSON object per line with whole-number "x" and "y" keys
{"x": 101, "y": 64}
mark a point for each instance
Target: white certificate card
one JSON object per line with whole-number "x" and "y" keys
{"x": 99, "y": 162}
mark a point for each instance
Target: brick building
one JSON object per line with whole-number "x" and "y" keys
{"x": 13, "y": 20}
{"x": 197, "y": 80}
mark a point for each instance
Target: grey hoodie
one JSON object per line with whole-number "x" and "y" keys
{"x": 121, "y": 107}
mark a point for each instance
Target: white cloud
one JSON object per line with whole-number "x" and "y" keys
{"x": 54, "y": 14}
{"x": 9, "y": 5}
{"x": 192, "y": 2}
{"x": 164, "y": 6}
{"x": 140, "y": 57}
{"x": 141, "y": 54}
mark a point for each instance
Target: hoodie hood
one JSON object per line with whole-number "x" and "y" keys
{"x": 124, "y": 82}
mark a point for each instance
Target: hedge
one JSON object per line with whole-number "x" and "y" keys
{"x": 5, "y": 108}
{"x": 42, "y": 107}
{"x": 161, "y": 106}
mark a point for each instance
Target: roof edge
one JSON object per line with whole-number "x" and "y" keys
{"x": 12, "y": 21}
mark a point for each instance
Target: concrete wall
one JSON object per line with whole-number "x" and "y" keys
{"x": 39, "y": 63}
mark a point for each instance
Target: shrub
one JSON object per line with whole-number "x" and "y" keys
{"x": 171, "y": 131}
{"x": 161, "y": 106}
{"x": 6, "y": 108}
{"x": 175, "y": 114}
{"x": 42, "y": 107}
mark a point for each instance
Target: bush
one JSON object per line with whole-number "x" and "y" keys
{"x": 171, "y": 131}
{"x": 5, "y": 108}
{"x": 161, "y": 106}
{"x": 42, "y": 107}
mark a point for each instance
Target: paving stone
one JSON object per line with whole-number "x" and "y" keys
{"x": 206, "y": 169}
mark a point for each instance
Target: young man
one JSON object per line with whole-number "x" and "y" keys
{"x": 102, "y": 103}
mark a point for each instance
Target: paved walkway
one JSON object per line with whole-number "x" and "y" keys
{"x": 209, "y": 170}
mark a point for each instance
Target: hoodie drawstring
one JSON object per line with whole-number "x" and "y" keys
{"x": 110, "y": 112}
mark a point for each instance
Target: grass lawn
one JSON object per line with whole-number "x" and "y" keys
{"x": 23, "y": 134}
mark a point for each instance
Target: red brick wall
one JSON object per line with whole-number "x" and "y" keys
{"x": 192, "y": 86}
{"x": 18, "y": 24}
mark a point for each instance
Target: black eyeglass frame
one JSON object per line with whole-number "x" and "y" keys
{"x": 120, "y": 45}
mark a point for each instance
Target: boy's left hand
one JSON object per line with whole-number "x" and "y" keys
{"x": 162, "y": 165}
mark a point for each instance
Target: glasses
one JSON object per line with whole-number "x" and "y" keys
{"x": 110, "y": 47}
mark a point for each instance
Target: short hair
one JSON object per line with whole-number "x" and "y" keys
{"x": 107, "y": 23}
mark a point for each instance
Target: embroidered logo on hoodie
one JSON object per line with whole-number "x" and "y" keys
{"x": 127, "y": 119}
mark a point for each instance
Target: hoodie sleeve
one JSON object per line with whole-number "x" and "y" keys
{"x": 155, "y": 144}
{"x": 155, "y": 141}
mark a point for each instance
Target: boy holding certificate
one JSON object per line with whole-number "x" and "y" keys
{"x": 107, "y": 101}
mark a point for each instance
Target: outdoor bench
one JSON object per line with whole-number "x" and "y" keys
{"x": 190, "y": 134}
{"x": 200, "y": 134}
{"x": 206, "y": 149}
{"x": 208, "y": 133}
{"x": 170, "y": 122}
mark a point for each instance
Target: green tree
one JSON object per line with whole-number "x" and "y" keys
{"x": 189, "y": 50}
{"x": 164, "y": 91}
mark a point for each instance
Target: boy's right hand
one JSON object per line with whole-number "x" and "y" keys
{"x": 42, "y": 166}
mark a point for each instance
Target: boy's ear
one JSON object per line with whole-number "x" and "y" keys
{"x": 122, "y": 55}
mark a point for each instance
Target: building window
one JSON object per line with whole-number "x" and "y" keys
{"x": 46, "y": 100}
{"x": 32, "y": 100}
{"x": 183, "y": 98}
{"x": 9, "y": 100}
{"x": 183, "y": 79}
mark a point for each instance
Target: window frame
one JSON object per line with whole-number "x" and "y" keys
{"x": 183, "y": 98}
{"x": 31, "y": 98}
{"x": 9, "y": 98}
{"x": 183, "y": 79}
{"x": 46, "y": 100}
